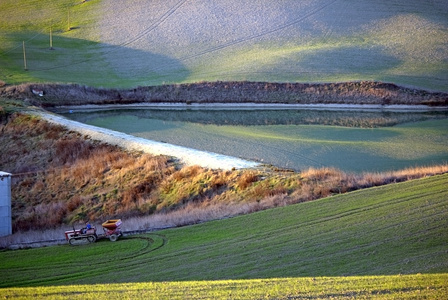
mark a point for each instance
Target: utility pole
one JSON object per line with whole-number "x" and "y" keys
{"x": 68, "y": 21}
{"x": 24, "y": 56}
{"x": 51, "y": 39}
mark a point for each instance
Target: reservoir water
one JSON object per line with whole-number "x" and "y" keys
{"x": 350, "y": 140}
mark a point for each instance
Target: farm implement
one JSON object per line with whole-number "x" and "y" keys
{"x": 111, "y": 230}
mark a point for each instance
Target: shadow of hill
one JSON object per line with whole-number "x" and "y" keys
{"x": 86, "y": 62}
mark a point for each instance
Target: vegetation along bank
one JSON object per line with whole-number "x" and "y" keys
{"x": 363, "y": 92}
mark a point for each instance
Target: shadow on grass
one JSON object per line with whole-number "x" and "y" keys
{"x": 85, "y": 62}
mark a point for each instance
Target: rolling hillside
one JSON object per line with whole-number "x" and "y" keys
{"x": 131, "y": 43}
{"x": 388, "y": 241}
{"x": 351, "y": 238}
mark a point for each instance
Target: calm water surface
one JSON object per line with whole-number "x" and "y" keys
{"x": 350, "y": 140}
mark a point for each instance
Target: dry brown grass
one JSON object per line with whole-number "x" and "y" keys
{"x": 246, "y": 179}
{"x": 321, "y": 174}
{"x": 70, "y": 179}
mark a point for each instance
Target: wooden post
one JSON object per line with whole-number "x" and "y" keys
{"x": 24, "y": 56}
{"x": 51, "y": 39}
{"x": 68, "y": 21}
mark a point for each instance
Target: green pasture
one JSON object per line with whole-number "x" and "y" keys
{"x": 75, "y": 53}
{"x": 387, "y": 242}
{"x": 115, "y": 44}
{"x": 298, "y": 147}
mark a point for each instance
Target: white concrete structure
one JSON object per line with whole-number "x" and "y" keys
{"x": 5, "y": 204}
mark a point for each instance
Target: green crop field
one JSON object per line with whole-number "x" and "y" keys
{"x": 387, "y": 242}
{"x": 124, "y": 44}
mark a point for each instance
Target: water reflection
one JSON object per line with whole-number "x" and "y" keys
{"x": 296, "y": 139}
{"x": 346, "y": 118}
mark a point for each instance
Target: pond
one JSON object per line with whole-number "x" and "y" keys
{"x": 351, "y": 140}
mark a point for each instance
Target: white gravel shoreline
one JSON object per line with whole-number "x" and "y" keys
{"x": 186, "y": 156}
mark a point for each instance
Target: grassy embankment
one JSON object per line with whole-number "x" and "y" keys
{"x": 62, "y": 177}
{"x": 121, "y": 45}
{"x": 371, "y": 93}
{"x": 351, "y": 245}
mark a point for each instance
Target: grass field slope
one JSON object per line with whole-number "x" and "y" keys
{"x": 131, "y": 43}
{"x": 387, "y": 242}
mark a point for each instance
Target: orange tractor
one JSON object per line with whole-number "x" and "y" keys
{"x": 111, "y": 229}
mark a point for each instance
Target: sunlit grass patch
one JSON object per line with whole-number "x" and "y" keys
{"x": 431, "y": 286}
{"x": 153, "y": 44}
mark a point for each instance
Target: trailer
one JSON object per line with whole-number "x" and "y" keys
{"x": 111, "y": 230}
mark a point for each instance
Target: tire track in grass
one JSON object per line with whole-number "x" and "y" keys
{"x": 356, "y": 211}
{"x": 385, "y": 205}
{"x": 354, "y": 237}
{"x": 132, "y": 261}
{"x": 305, "y": 246}
{"x": 128, "y": 263}
{"x": 263, "y": 33}
{"x": 253, "y": 36}
{"x": 153, "y": 26}
{"x": 84, "y": 267}
{"x": 124, "y": 44}
{"x": 141, "y": 251}
{"x": 325, "y": 238}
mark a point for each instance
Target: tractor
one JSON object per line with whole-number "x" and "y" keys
{"x": 111, "y": 230}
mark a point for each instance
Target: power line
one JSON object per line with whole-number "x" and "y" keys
{"x": 153, "y": 26}
{"x": 257, "y": 35}
{"x": 163, "y": 18}
{"x": 20, "y": 45}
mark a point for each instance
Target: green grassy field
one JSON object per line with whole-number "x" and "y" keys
{"x": 385, "y": 243}
{"x": 114, "y": 44}
{"x": 76, "y": 52}
{"x": 358, "y": 244}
